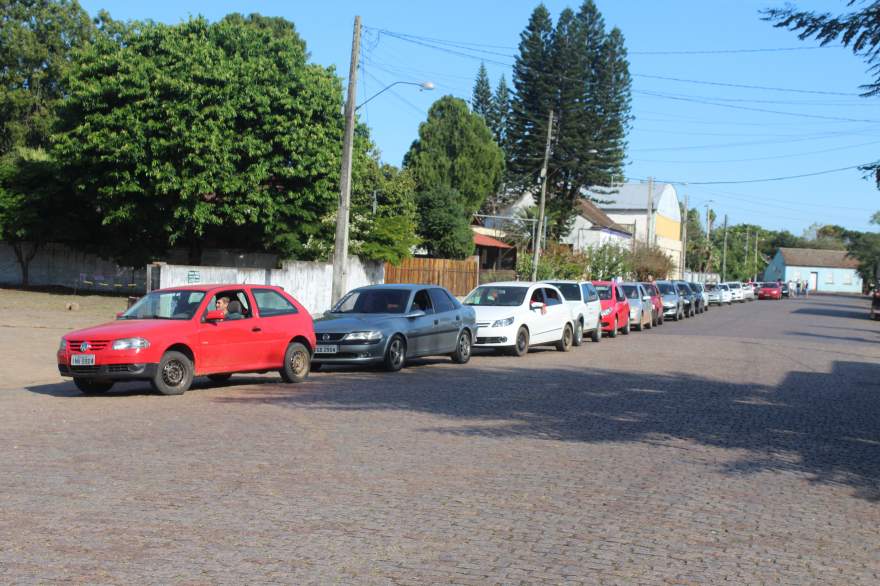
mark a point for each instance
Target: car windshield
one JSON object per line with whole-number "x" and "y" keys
{"x": 710, "y": 287}
{"x": 735, "y": 286}
{"x": 373, "y": 301}
{"x": 604, "y": 292}
{"x": 570, "y": 291}
{"x": 724, "y": 287}
{"x": 666, "y": 288}
{"x": 166, "y": 305}
{"x": 631, "y": 292}
{"x": 491, "y": 295}
{"x": 696, "y": 287}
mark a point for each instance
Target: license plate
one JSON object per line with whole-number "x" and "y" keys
{"x": 82, "y": 360}
{"x": 326, "y": 349}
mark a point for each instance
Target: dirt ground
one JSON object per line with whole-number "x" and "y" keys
{"x": 31, "y": 323}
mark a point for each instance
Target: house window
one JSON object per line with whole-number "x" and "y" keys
{"x": 829, "y": 277}
{"x": 848, "y": 278}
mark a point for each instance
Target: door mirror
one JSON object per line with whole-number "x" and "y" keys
{"x": 646, "y": 298}
{"x": 119, "y": 314}
{"x": 415, "y": 314}
{"x": 215, "y": 315}
{"x": 536, "y": 305}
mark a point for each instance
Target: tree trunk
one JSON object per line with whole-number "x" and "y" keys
{"x": 24, "y": 260}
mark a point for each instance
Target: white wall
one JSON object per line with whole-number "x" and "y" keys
{"x": 309, "y": 282}
{"x": 59, "y": 265}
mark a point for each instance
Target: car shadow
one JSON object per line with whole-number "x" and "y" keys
{"x": 847, "y": 312}
{"x": 67, "y": 389}
{"x": 822, "y": 424}
{"x": 830, "y": 337}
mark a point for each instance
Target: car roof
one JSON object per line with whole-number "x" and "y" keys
{"x": 213, "y": 286}
{"x": 405, "y": 286}
{"x": 510, "y": 284}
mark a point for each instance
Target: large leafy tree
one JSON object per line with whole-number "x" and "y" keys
{"x": 37, "y": 38}
{"x": 858, "y": 29}
{"x": 443, "y": 224}
{"x": 179, "y": 134}
{"x": 455, "y": 149}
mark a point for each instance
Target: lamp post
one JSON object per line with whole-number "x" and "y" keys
{"x": 340, "y": 251}
{"x": 424, "y": 85}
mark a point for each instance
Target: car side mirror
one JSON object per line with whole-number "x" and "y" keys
{"x": 646, "y": 298}
{"x": 415, "y": 314}
{"x": 215, "y": 315}
{"x": 119, "y": 314}
{"x": 536, "y": 305}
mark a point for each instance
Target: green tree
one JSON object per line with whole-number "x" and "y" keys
{"x": 443, "y": 223}
{"x": 859, "y": 30}
{"x": 177, "y": 133}
{"x": 37, "y": 38}
{"x": 499, "y": 115}
{"x": 455, "y": 150}
{"x": 481, "y": 101}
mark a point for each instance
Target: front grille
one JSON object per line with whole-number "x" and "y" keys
{"x": 491, "y": 340}
{"x": 94, "y": 345}
{"x": 121, "y": 368}
{"x": 328, "y": 337}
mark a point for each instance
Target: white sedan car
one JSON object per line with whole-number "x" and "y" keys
{"x": 583, "y": 299}
{"x": 719, "y": 293}
{"x": 515, "y": 315}
{"x": 736, "y": 291}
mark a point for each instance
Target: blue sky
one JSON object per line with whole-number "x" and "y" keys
{"x": 743, "y": 134}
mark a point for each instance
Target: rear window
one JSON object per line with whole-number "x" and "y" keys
{"x": 666, "y": 288}
{"x": 272, "y": 303}
{"x": 631, "y": 291}
{"x": 604, "y": 292}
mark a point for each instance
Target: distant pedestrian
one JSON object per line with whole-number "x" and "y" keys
{"x": 806, "y": 289}
{"x": 798, "y": 289}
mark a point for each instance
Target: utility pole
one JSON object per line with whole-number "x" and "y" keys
{"x": 536, "y": 253}
{"x": 684, "y": 237}
{"x": 724, "y": 253}
{"x": 756, "y": 257}
{"x": 340, "y": 251}
{"x": 650, "y": 211}
{"x": 746, "y": 252}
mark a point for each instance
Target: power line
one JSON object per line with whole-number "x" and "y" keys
{"x": 744, "y": 86}
{"x": 764, "y": 180}
{"x": 770, "y": 158}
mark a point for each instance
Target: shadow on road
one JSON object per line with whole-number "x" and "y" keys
{"x": 824, "y": 424}
{"x": 861, "y": 340}
{"x": 848, "y": 311}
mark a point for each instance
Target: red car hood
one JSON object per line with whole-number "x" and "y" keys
{"x": 125, "y": 328}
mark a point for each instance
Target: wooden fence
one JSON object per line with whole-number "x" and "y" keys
{"x": 458, "y": 276}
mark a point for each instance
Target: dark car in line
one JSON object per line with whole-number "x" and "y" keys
{"x": 390, "y": 324}
{"x": 689, "y": 298}
{"x": 702, "y": 298}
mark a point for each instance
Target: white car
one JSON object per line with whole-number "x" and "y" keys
{"x": 516, "y": 315}
{"x": 718, "y": 293}
{"x": 736, "y": 291}
{"x": 583, "y": 299}
{"x": 748, "y": 290}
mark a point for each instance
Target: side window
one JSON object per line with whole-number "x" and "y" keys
{"x": 585, "y": 291}
{"x": 235, "y": 303}
{"x": 594, "y": 295}
{"x": 422, "y": 302}
{"x": 620, "y": 295}
{"x": 441, "y": 300}
{"x": 553, "y": 297}
{"x": 456, "y": 304}
{"x": 537, "y": 296}
{"x": 271, "y": 303}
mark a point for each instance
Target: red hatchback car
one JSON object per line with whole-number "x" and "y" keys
{"x": 615, "y": 308}
{"x": 171, "y": 335}
{"x": 770, "y": 291}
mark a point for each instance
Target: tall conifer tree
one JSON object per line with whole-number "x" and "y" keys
{"x": 481, "y": 102}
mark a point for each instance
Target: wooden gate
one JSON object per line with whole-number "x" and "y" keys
{"x": 458, "y": 276}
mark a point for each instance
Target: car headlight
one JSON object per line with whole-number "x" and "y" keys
{"x": 62, "y": 345}
{"x": 606, "y": 312}
{"x": 371, "y": 336}
{"x": 130, "y": 344}
{"x": 633, "y": 311}
{"x": 503, "y": 323}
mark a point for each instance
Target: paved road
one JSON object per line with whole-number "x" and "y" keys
{"x": 740, "y": 446}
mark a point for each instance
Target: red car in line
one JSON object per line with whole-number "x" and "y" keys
{"x": 656, "y": 301}
{"x": 172, "y": 335}
{"x": 770, "y": 291}
{"x": 615, "y": 308}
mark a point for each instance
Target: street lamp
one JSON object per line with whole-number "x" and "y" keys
{"x": 424, "y": 85}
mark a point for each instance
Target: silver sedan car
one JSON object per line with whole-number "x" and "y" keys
{"x": 389, "y": 324}
{"x": 641, "y": 310}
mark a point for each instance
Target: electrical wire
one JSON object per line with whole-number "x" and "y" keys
{"x": 764, "y": 180}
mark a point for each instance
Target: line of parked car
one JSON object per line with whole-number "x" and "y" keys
{"x": 172, "y": 335}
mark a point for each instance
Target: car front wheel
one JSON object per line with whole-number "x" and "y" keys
{"x": 522, "y": 342}
{"x": 463, "y": 349}
{"x": 597, "y": 333}
{"x": 90, "y": 386}
{"x": 174, "y": 375}
{"x": 578, "y": 333}
{"x": 297, "y": 363}
{"x": 626, "y": 328}
{"x": 613, "y": 332}
{"x": 395, "y": 355}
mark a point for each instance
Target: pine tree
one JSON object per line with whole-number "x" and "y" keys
{"x": 499, "y": 115}
{"x": 533, "y": 98}
{"x": 481, "y": 102}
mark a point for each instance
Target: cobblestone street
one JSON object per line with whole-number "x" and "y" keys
{"x": 742, "y": 445}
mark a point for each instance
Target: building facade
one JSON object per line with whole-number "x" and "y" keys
{"x": 829, "y": 271}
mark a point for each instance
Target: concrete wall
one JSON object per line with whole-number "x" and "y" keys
{"x": 59, "y": 265}
{"x": 309, "y": 282}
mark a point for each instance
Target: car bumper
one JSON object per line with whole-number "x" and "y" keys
{"x": 488, "y": 337}
{"x": 353, "y": 354}
{"x": 670, "y": 310}
{"x": 132, "y": 371}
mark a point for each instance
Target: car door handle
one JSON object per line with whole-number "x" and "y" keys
{"x": 256, "y": 329}
{"x": 436, "y": 322}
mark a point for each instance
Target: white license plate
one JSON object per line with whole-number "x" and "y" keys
{"x": 326, "y": 349}
{"x": 82, "y": 360}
